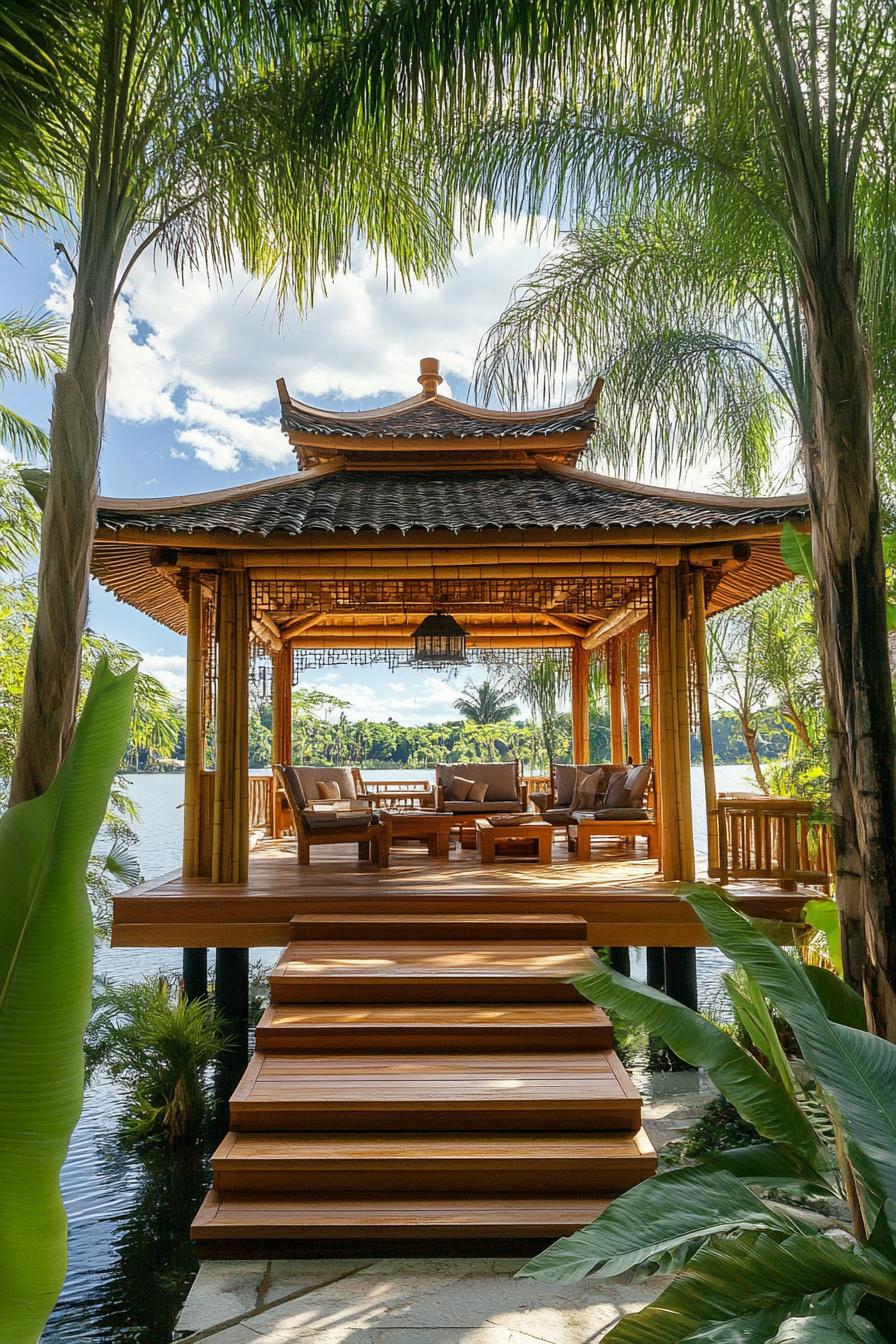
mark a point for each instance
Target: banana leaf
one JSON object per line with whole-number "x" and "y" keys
{"x": 46, "y": 961}
{"x": 759, "y": 1098}
{"x": 821, "y": 913}
{"x": 773, "y": 1166}
{"x": 856, "y": 1070}
{"x": 841, "y": 1003}
{"x": 755, "y": 1271}
{"x": 642, "y": 1228}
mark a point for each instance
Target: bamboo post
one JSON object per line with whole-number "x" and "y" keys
{"x": 281, "y": 722}
{"x": 194, "y": 744}
{"x": 673, "y": 766}
{"x": 230, "y": 833}
{"x": 698, "y": 631}
{"x": 632, "y": 687}
{"x": 614, "y": 686}
{"x": 581, "y": 725}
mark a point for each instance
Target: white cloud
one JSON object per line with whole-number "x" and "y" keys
{"x": 168, "y": 668}
{"x": 411, "y": 698}
{"x": 206, "y": 359}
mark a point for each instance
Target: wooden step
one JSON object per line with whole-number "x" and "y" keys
{"x": 423, "y": 1027}
{"x": 427, "y": 972}
{"x": 484, "y": 1091}
{"x": 520, "y": 1164}
{"x": 483, "y": 928}
{"x": 299, "y": 1221}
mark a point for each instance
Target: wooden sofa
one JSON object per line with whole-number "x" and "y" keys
{"x": 505, "y": 790}
{"x": 324, "y": 824}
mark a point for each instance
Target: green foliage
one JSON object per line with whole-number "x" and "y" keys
{"x": 486, "y": 703}
{"x": 148, "y": 1036}
{"x": 796, "y": 552}
{"x": 31, "y": 344}
{"x": 719, "y": 1128}
{"x": 46, "y": 951}
{"x": 745, "y": 1270}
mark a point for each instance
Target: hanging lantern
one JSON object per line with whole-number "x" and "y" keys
{"x": 439, "y": 639}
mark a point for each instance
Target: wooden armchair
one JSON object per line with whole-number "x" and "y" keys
{"x": 370, "y": 830}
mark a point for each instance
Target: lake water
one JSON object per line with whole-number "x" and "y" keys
{"x": 130, "y": 1259}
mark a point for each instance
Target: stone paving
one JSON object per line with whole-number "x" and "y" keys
{"x": 424, "y": 1301}
{"x": 462, "y": 1301}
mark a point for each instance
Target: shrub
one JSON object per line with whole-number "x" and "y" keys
{"x": 150, "y": 1037}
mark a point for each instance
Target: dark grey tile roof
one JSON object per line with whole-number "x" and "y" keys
{"x": 457, "y": 501}
{"x": 430, "y": 420}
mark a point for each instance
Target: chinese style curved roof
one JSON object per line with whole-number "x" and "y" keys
{"x": 391, "y": 506}
{"x": 335, "y": 500}
{"x": 412, "y": 430}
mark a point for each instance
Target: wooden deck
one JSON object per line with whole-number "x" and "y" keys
{"x": 620, "y": 897}
{"x": 425, "y": 1077}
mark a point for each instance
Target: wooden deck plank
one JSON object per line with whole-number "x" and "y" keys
{"x": 440, "y": 1026}
{"x": 622, "y": 900}
{"x": 234, "y": 1217}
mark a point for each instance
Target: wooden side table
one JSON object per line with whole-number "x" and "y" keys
{"x": 531, "y": 839}
{"x": 420, "y": 824}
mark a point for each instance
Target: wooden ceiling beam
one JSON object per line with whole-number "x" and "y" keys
{"x": 291, "y": 629}
{"x": 623, "y": 618}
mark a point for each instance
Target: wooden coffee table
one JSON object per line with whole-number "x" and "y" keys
{"x": 530, "y": 839}
{"x": 581, "y": 833}
{"x": 420, "y": 824}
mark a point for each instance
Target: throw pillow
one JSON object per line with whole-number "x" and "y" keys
{"x": 617, "y": 790}
{"x": 328, "y": 789}
{"x": 589, "y": 789}
{"x": 477, "y": 793}
{"x": 459, "y": 789}
{"x": 637, "y": 778}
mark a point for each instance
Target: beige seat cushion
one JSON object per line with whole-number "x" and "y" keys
{"x": 637, "y": 777}
{"x": 468, "y": 807}
{"x": 590, "y": 791}
{"x": 500, "y": 777}
{"x": 617, "y": 790}
{"x": 459, "y": 789}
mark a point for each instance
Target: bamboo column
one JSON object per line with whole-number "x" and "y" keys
{"x": 581, "y": 725}
{"x": 698, "y": 632}
{"x": 194, "y": 744}
{"x": 194, "y": 959}
{"x": 230, "y": 832}
{"x": 614, "y": 686}
{"x": 281, "y": 722}
{"x": 631, "y": 673}
{"x": 673, "y": 735}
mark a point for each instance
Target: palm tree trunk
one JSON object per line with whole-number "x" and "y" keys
{"x": 851, "y": 616}
{"x": 52, "y": 679}
{"x": 750, "y": 736}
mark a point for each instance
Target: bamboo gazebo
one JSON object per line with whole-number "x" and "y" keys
{"x": 425, "y": 1076}
{"x": 434, "y": 505}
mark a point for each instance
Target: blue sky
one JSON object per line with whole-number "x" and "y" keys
{"x": 192, "y": 402}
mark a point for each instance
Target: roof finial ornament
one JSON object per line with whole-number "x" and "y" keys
{"x": 429, "y": 376}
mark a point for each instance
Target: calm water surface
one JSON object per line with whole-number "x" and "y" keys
{"x": 130, "y": 1259}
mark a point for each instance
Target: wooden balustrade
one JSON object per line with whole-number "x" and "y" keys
{"x": 772, "y": 839}
{"x": 260, "y": 803}
{"x": 537, "y": 783}
{"x": 400, "y": 794}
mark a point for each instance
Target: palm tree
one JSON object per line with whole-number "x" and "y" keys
{"x": 743, "y": 108}
{"x": 170, "y": 129}
{"x": 486, "y": 703}
{"x": 30, "y": 343}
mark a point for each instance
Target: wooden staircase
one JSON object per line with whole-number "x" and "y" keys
{"x": 420, "y": 1082}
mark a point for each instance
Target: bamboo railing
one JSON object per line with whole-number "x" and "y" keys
{"x": 260, "y": 803}
{"x": 772, "y": 839}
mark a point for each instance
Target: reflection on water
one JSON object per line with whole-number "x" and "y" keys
{"x": 130, "y": 1258}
